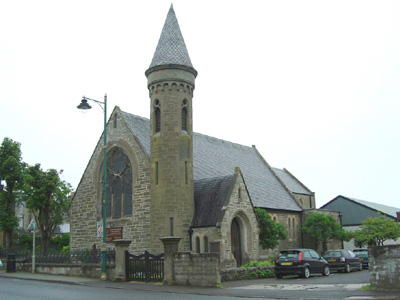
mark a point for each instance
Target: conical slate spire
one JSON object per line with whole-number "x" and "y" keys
{"x": 171, "y": 48}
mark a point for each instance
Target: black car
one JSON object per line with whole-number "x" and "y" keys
{"x": 343, "y": 260}
{"x": 362, "y": 253}
{"x": 301, "y": 262}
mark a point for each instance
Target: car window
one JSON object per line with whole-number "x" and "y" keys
{"x": 314, "y": 254}
{"x": 289, "y": 254}
{"x": 332, "y": 253}
{"x": 361, "y": 253}
{"x": 306, "y": 254}
{"x": 352, "y": 255}
{"x": 345, "y": 253}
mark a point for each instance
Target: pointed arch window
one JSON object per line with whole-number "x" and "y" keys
{"x": 184, "y": 114}
{"x": 119, "y": 185}
{"x": 197, "y": 244}
{"x": 293, "y": 228}
{"x": 157, "y": 116}
{"x": 115, "y": 120}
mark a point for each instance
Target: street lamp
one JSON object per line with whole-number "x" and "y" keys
{"x": 84, "y": 105}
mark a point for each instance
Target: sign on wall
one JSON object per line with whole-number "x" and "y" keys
{"x": 113, "y": 234}
{"x": 99, "y": 229}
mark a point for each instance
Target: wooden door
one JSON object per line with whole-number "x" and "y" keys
{"x": 236, "y": 242}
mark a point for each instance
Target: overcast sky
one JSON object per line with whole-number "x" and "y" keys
{"x": 314, "y": 85}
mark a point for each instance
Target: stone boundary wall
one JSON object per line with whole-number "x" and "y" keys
{"x": 247, "y": 273}
{"x": 384, "y": 267}
{"x": 197, "y": 269}
{"x": 79, "y": 270}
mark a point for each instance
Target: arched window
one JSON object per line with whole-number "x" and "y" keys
{"x": 293, "y": 228}
{"x": 119, "y": 185}
{"x": 157, "y": 115}
{"x": 184, "y": 119}
{"x": 197, "y": 244}
{"x": 158, "y": 119}
{"x": 274, "y": 218}
{"x": 184, "y": 114}
{"x": 115, "y": 120}
{"x": 289, "y": 229}
{"x": 205, "y": 244}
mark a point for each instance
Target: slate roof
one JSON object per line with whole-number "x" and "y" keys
{"x": 291, "y": 182}
{"x": 209, "y": 198}
{"x": 214, "y": 157}
{"x": 171, "y": 48}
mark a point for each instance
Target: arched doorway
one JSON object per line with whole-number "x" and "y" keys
{"x": 236, "y": 243}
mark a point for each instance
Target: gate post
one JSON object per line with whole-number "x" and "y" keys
{"x": 170, "y": 247}
{"x": 121, "y": 246}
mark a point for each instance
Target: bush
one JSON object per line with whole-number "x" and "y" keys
{"x": 60, "y": 241}
{"x": 23, "y": 241}
{"x": 255, "y": 264}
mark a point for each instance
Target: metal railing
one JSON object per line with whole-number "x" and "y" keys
{"x": 70, "y": 257}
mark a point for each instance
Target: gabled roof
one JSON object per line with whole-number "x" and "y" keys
{"x": 210, "y": 194}
{"x": 292, "y": 183}
{"x": 354, "y": 211}
{"x": 171, "y": 48}
{"x": 214, "y": 157}
{"x": 389, "y": 210}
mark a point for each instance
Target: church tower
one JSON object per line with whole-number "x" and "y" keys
{"x": 171, "y": 82}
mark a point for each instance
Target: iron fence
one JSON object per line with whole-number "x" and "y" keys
{"x": 70, "y": 257}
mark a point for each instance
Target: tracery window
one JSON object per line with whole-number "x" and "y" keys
{"x": 119, "y": 185}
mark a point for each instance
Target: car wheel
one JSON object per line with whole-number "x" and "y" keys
{"x": 347, "y": 268}
{"x": 326, "y": 271}
{"x": 306, "y": 273}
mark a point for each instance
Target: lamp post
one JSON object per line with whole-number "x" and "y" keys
{"x": 84, "y": 105}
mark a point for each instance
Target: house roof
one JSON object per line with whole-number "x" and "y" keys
{"x": 171, "y": 47}
{"x": 209, "y": 198}
{"x": 292, "y": 183}
{"x": 354, "y": 211}
{"x": 214, "y": 157}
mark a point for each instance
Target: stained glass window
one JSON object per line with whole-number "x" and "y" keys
{"x": 119, "y": 185}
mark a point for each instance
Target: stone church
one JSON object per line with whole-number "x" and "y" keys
{"x": 164, "y": 180}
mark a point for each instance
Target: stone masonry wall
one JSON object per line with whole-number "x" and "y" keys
{"x": 384, "y": 267}
{"x": 86, "y": 208}
{"x": 171, "y": 163}
{"x": 213, "y": 235}
{"x": 294, "y": 239}
{"x": 197, "y": 269}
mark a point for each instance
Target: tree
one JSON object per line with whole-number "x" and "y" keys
{"x": 375, "y": 231}
{"x": 12, "y": 174}
{"x": 323, "y": 228}
{"x": 270, "y": 232}
{"x": 49, "y": 199}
